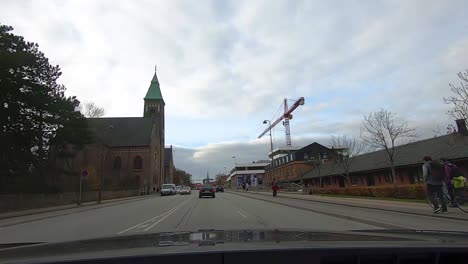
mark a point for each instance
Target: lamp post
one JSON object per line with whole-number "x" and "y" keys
{"x": 271, "y": 140}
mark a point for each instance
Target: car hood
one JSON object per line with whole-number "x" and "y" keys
{"x": 226, "y": 240}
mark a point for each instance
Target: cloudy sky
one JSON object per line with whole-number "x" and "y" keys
{"x": 225, "y": 66}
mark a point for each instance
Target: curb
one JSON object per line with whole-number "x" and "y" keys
{"x": 104, "y": 204}
{"x": 373, "y": 208}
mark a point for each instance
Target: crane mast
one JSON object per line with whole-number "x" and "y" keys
{"x": 286, "y": 117}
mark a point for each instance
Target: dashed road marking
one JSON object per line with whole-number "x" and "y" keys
{"x": 243, "y": 215}
{"x": 146, "y": 223}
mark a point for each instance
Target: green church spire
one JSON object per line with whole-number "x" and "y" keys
{"x": 154, "y": 91}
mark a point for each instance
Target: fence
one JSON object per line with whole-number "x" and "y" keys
{"x": 12, "y": 202}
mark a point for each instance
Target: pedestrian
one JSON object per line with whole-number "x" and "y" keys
{"x": 451, "y": 171}
{"x": 247, "y": 186}
{"x": 434, "y": 174}
{"x": 154, "y": 189}
{"x": 275, "y": 187}
{"x": 243, "y": 186}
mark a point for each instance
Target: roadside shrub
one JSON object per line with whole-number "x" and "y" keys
{"x": 408, "y": 191}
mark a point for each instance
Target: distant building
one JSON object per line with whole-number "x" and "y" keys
{"x": 282, "y": 151}
{"x": 128, "y": 151}
{"x": 292, "y": 164}
{"x": 251, "y": 173}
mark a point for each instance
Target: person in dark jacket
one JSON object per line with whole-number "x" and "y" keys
{"x": 433, "y": 174}
{"x": 275, "y": 187}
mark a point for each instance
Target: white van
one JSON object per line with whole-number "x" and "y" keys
{"x": 168, "y": 189}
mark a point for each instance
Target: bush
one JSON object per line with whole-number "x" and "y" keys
{"x": 408, "y": 191}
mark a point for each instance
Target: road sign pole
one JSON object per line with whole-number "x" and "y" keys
{"x": 81, "y": 181}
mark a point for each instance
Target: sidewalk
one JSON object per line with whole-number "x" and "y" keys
{"x": 23, "y": 216}
{"x": 392, "y": 206}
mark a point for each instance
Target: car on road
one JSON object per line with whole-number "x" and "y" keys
{"x": 177, "y": 188}
{"x": 168, "y": 189}
{"x": 185, "y": 190}
{"x": 207, "y": 190}
{"x": 219, "y": 188}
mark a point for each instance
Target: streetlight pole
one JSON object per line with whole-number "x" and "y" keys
{"x": 271, "y": 140}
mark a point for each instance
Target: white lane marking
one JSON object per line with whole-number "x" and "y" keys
{"x": 160, "y": 220}
{"x": 152, "y": 219}
{"x": 243, "y": 215}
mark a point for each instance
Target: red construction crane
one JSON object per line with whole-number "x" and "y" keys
{"x": 286, "y": 116}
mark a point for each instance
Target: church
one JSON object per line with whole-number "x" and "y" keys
{"x": 128, "y": 152}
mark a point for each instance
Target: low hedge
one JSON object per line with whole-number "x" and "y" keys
{"x": 409, "y": 191}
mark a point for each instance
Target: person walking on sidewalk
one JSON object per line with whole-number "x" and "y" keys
{"x": 275, "y": 187}
{"x": 433, "y": 174}
{"x": 451, "y": 171}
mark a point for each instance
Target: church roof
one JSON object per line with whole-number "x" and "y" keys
{"x": 167, "y": 156}
{"x": 154, "y": 91}
{"x": 122, "y": 131}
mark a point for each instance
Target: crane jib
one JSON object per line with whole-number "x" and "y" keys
{"x": 287, "y": 114}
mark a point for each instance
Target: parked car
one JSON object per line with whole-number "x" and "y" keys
{"x": 207, "y": 190}
{"x": 219, "y": 188}
{"x": 168, "y": 189}
{"x": 177, "y": 188}
{"x": 185, "y": 190}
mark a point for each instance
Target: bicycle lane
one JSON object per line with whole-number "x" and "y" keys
{"x": 391, "y": 218}
{"x": 415, "y": 208}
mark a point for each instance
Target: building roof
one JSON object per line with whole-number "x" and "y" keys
{"x": 122, "y": 131}
{"x": 154, "y": 91}
{"x": 167, "y": 156}
{"x": 453, "y": 146}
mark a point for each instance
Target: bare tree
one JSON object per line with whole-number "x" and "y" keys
{"x": 381, "y": 131}
{"x": 459, "y": 99}
{"x": 90, "y": 109}
{"x": 346, "y": 148}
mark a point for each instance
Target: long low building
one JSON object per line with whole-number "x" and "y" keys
{"x": 373, "y": 169}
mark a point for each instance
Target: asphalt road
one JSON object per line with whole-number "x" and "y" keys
{"x": 226, "y": 211}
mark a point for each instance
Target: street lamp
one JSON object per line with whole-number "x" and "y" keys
{"x": 271, "y": 140}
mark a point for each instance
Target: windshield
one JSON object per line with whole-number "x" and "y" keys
{"x": 328, "y": 116}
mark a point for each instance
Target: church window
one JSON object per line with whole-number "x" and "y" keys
{"x": 117, "y": 163}
{"x": 137, "y": 163}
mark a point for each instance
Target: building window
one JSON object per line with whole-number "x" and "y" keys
{"x": 137, "y": 163}
{"x": 354, "y": 179}
{"x": 117, "y": 163}
{"x": 324, "y": 156}
{"x": 306, "y": 156}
